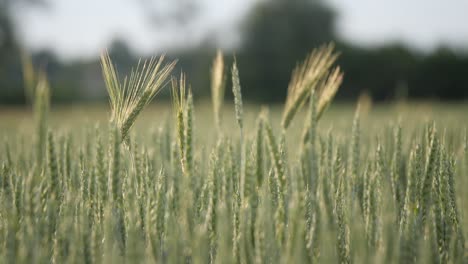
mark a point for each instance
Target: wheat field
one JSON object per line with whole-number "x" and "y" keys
{"x": 227, "y": 182}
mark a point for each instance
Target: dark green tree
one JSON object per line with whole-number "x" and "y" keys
{"x": 10, "y": 66}
{"x": 278, "y": 34}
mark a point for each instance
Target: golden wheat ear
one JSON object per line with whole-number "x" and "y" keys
{"x": 329, "y": 90}
{"x": 306, "y": 77}
{"x": 129, "y": 98}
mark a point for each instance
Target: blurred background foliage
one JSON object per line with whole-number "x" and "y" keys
{"x": 276, "y": 35}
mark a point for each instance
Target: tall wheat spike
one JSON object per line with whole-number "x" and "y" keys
{"x": 411, "y": 190}
{"x": 217, "y": 88}
{"x": 355, "y": 155}
{"x": 41, "y": 112}
{"x": 279, "y": 181}
{"x": 426, "y": 187}
{"x": 398, "y": 179}
{"x": 179, "y": 100}
{"x": 259, "y": 152}
{"x": 465, "y": 148}
{"x": 53, "y": 167}
{"x": 189, "y": 132}
{"x": 29, "y": 76}
{"x": 236, "y": 90}
{"x": 452, "y": 207}
{"x": 343, "y": 229}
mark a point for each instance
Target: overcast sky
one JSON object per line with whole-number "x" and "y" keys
{"x": 81, "y": 28}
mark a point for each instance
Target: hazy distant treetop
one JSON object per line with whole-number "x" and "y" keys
{"x": 175, "y": 12}
{"x": 7, "y": 34}
{"x": 8, "y": 3}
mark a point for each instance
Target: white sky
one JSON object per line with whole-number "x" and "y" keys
{"x": 81, "y": 28}
{"x": 422, "y": 24}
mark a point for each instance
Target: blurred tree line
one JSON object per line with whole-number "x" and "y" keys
{"x": 277, "y": 35}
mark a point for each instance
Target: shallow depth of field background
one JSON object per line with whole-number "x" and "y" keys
{"x": 390, "y": 50}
